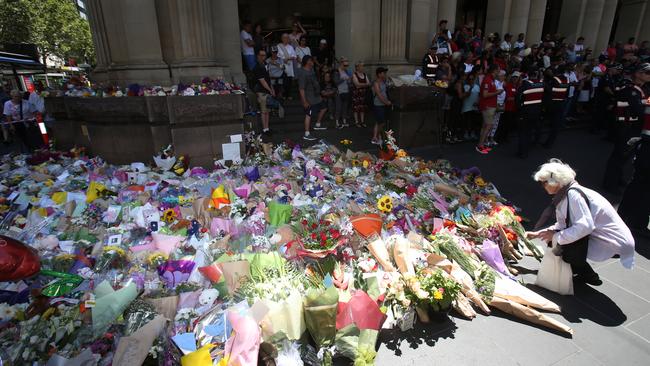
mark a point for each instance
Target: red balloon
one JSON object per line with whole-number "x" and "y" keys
{"x": 17, "y": 260}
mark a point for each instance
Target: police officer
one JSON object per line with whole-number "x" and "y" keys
{"x": 430, "y": 63}
{"x": 635, "y": 206}
{"x": 626, "y": 115}
{"x": 606, "y": 99}
{"x": 556, "y": 93}
{"x": 529, "y": 104}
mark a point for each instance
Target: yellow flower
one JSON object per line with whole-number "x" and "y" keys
{"x": 169, "y": 215}
{"x": 116, "y": 249}
{"x": 365, "y": 164}
{"x": 156, "y": 257}
{"x": 385, "y": 204}
{"x": 355, "y": 162}
{"x": 437, "y": 295}
{"x": 339, "y": 179}
{"x": 346, "y": 142}
{"x": 401, "y": 153}
{"x": 480, "y": 182}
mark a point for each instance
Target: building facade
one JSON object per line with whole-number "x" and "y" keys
{"x": 170, "y": 41}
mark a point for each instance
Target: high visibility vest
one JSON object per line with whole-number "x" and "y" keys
{"x": 622, "y": 109}
{"x": 532, "y": 93}
{"x": 430, "y": 66}
{"x": 560, "y": 90}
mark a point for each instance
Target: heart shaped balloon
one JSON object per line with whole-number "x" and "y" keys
{"x": 17, "y": 260}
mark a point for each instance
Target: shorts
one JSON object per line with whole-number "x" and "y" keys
{"x": 314, "y": 109}
{"x": 250, "y": 62}
{"x": 261, "y": 100}
{"x": 488, "y": 115}
{"x": 380, "y": 113}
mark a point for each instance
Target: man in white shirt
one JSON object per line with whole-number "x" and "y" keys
{"x": 36, "y": 99}
{"x": 520, "y": 44}
{"x": 248, "y": 45}
{"x": 572, "y": 79}
{"x": 15, "y": 110}
{"x": 579, "y": 49}
{"x": 505, "y": 45}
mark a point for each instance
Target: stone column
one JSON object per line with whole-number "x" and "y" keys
{"x": 127, "y": 32}
{"x": 189, "y": 40}
{"x": 356, "y": 25}
{"x": 633, "y": 21}
{"x": 226, "y": 27}
{"x": 421, "y": 26}
{"x": 447, "y": 10}
{"x": 592, "y": 23}
{"x": 535, "y": 21}
{"x": 606, "y": 23}
{"x": 571, "y": 20}
{"x": 519, "y": 17}
{"x": 392, "y": 46}
{"x": 497, "y": 18}
{"x": 98, "y": 30}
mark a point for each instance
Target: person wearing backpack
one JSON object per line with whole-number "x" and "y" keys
{"x": 587, "y": 226}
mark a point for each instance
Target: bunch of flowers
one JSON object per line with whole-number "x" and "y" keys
{"x": 112, "y": 257}
{"x": 156, "y": 259}
{"x": 385, "y": 204}
{"x": 320, "y": 234}
{"x": 441, "y": 290}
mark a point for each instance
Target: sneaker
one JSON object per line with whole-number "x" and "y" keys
{"x": 482, "y": 150}
{"x": 319, "y": 127}
{"x": 345, "y": 123}
{"x": 267, "y": 132}
{"x": 375, "y": 142}
{"x": 593, "y": 279}
{"x": 339, "y": 126}
{"x": 309, "y": 137}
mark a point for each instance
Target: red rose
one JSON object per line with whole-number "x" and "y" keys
{"x": 323, "y": 237}
{"x": 314, "y": 226}
{"x": 336, "y": 235}
{"x": 313, "y": 236}
{"x": 304, "y": 222}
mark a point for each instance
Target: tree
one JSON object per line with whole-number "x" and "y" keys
{"x": 54, "y": 26}
{"x": 59, "y": 30}
{"x": 14, "y": 21}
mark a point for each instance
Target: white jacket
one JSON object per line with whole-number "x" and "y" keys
{"x": 608, "y": 234}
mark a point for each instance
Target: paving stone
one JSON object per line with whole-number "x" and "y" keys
{"x": 580, "y": 358}
{"x": 635, "y": 280}
{"x": 641, "y": 327}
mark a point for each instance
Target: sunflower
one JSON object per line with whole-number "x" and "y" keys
{"x": 169, "y": 215}
{"x": 401, "y": 153}
{"x": 385, "y": 204}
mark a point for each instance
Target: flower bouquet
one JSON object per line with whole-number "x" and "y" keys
{"x": 320, "y": 307}
{"x": 112, "y": 256}
{"x": 315, "y": 238}
{"x": 442, "y": 290}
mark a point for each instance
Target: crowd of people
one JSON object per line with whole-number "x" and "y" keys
{"x": 327, "y": 87}
{"x": 497, "y": 87}
{"x": 19, "y": 111}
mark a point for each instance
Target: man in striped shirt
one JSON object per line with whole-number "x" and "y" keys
{"x": 529, "y": 104}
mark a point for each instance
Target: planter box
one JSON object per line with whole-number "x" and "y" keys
{"x": 55, "y": 107}
{"x": 126, "y": 129}
{"x": 205, "y": 108}
{"x": 417, "y": 115}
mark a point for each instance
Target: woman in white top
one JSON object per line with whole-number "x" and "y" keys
{"x": 288, "y": 55}
{"x": 301, "y": 51}
{"x": 586, "y": 227}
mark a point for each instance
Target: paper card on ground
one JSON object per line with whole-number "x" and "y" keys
{"x": 236, "y": 138}
{"x": 231, "y": 151}
{"x": 186, "y": 342}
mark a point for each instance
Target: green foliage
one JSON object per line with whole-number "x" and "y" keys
{"x": 54, "y": 26}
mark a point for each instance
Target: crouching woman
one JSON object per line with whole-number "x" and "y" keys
{"x": 586, "y": 227}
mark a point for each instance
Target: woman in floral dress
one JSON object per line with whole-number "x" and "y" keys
{"x": 359, "y": 94}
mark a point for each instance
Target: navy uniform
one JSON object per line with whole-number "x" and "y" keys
{"x": 556, "y": 94}
{"x": 529, "y": 105}
{"x": 628, "y": 116}
{"x": 430, "y": 64}
{"x": 635, "y": 205}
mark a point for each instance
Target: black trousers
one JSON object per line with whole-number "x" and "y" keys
{"x": 621, "y": 153}
{"x": 576, "y": 255}
{"x": 556, "y": 116}
{"x": 635, "y": 205}
{"x": 527, "y": 131}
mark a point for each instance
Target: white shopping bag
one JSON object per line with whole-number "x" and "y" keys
{"x": 555, "y": 274}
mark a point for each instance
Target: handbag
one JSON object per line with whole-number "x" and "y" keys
{"x": 555, "y": 274}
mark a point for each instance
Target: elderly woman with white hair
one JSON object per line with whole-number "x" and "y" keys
{"x": 587, "y": 226}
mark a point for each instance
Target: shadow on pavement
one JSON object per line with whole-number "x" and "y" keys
{"x": 586, "y": 303}
{"x": 642, "y": 245}
{"x": 422, "y": 333}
